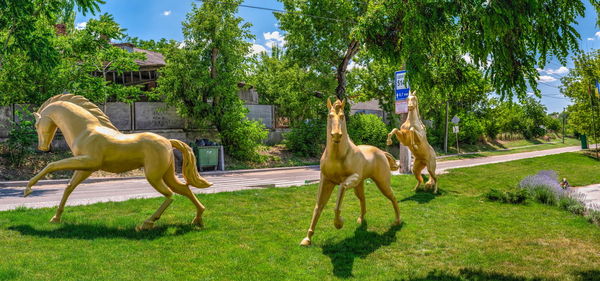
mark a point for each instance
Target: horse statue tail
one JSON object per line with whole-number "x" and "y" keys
{"x": 190, "y": 173}
{"x": 392, "y": 161}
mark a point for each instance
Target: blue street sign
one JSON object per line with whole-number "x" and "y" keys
{"x": 401, "y": 86}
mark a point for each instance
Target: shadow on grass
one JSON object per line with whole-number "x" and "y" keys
{"x": 91, "y": 232}
{"x": 589, "y": 275}
{"x": 472, "y": 274}
{"x": 363, "y": 243}
{"x": 422, "y": 197}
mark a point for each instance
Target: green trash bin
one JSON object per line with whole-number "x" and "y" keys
{"x": 207, "y": 156}
{"x": 584, "y": 143}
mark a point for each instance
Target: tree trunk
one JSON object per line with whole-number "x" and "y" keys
{"x": 340, "y": 90}
{"x": 213, "y": 71}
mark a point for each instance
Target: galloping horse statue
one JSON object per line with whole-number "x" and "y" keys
{"x": 96, "y": 144}
{"x": 413, "y": 135}
{"x": 348, "y": 165}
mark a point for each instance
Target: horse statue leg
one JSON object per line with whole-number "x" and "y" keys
{"x": 417, "y": 168}
{"x": 78, "y": 177}
{"x": 432, "y": 182}
{"x": 359, "y": 191}
{"x": 394, "y": 131}
{"x": 325, "y": 189}
{"x": 350, "y": 182}
{"x": 83, "y": 162}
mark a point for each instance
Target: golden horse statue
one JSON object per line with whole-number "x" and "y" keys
{"x": 348, "y": 165}
{"x": 96, "y": 144}
{"x": 413, "y": 135}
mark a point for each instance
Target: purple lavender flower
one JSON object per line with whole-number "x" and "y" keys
{"x": 543, "y": 179}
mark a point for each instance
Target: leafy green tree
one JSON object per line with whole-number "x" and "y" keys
{"x": 26, "y": 27}
{"x": 373, "y": 79}
{"x": 294, "y": 90}
{"x": 508, "y": 39}
{"x": 319, "y": 35}
{"x": 161, "y": 46}
{"x": 81, "y": 53}
{"x": 579, "y": 86}
{"x": 201, "y": 78}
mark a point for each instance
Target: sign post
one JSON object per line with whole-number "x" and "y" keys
{"x": 401, "y": 91}
{"x": 455, "y": 129}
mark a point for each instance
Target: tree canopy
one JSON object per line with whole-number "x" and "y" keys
{"x": 508, "y": 39}
{"x": 201, "y": 78}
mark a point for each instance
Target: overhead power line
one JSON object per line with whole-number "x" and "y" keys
{"x": 279, "y": 11}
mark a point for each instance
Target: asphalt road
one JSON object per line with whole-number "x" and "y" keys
{"x": 49, "y": 193}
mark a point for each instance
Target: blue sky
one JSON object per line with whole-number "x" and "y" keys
{"x": 155, "y": 19}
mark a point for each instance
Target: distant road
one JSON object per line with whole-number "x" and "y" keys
{"x": 49, "y": 193}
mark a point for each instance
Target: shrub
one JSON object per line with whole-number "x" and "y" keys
{"x": 543, "y": 195}
{"x": 517, "y": 197}
{"x": 308, "y": 138}
{"x": 543, "y": 187}
{"x": 514, "y": 197}
{"x": 496, "y": 195}
{"x": 368, "y": 129}
{"x": 242, "y": 137}
{"x": 572, "y": 205}
{"x": 21, "y": 140}
{"x": 593, "y": 216}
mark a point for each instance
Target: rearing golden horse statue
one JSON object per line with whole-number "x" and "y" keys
{"x": 413, "y": 135}
{"x": 96, "y": 144}
{"x": 348, "y": 165}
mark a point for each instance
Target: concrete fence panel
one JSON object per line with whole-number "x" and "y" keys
{"x": 262, "y": 113}
{"x": 156, "y": 116}
{"x": 119, "y": 114}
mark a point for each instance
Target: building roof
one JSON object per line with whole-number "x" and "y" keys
{"x": 153, "y": 59}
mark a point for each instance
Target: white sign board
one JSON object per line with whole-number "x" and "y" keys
{"x": 401, "y": 106}
{"x": 455, "y": 129}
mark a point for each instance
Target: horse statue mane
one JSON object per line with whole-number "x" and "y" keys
{"x": 85, "y": 104}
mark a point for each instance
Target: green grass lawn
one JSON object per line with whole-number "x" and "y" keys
{"x": 254, "y": 235}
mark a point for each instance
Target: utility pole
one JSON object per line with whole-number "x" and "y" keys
{"x": 593, "y": 120}
{"x": 563, "y": 131}
{"x": 446, "y": 129}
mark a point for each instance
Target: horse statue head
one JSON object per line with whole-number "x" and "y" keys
{"x": 46, "y": 129}
{"x": 413, "y": 101}
{"x": 336, "y": 122}
{"x": 46, "y": 122}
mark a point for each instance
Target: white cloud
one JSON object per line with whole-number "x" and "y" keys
{"x": 597, "y": 34}
{"x": 81, "y": 25}
{"x": 561, "y": 70}
{"x": 590, "y": 39}
{"x": 257, "y": 49}
{"x": 166, "y": 13}
{"x": 274, "y": 39}
{"x": 546, "y": 79}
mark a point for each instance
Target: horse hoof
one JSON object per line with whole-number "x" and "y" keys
{"x": 198, "y": 222}
{"x": 55, "y": 219}
{"x": 27, "y": 192}
{"x": 305, "y": 242}
{"x": 360, "y": 220}
{"x": 147, "y": 225}
{"x": 338, "y": 223}
{"x": 397, "y": 222}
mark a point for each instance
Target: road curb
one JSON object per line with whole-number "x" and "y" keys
{"x": 204, "y": 173}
